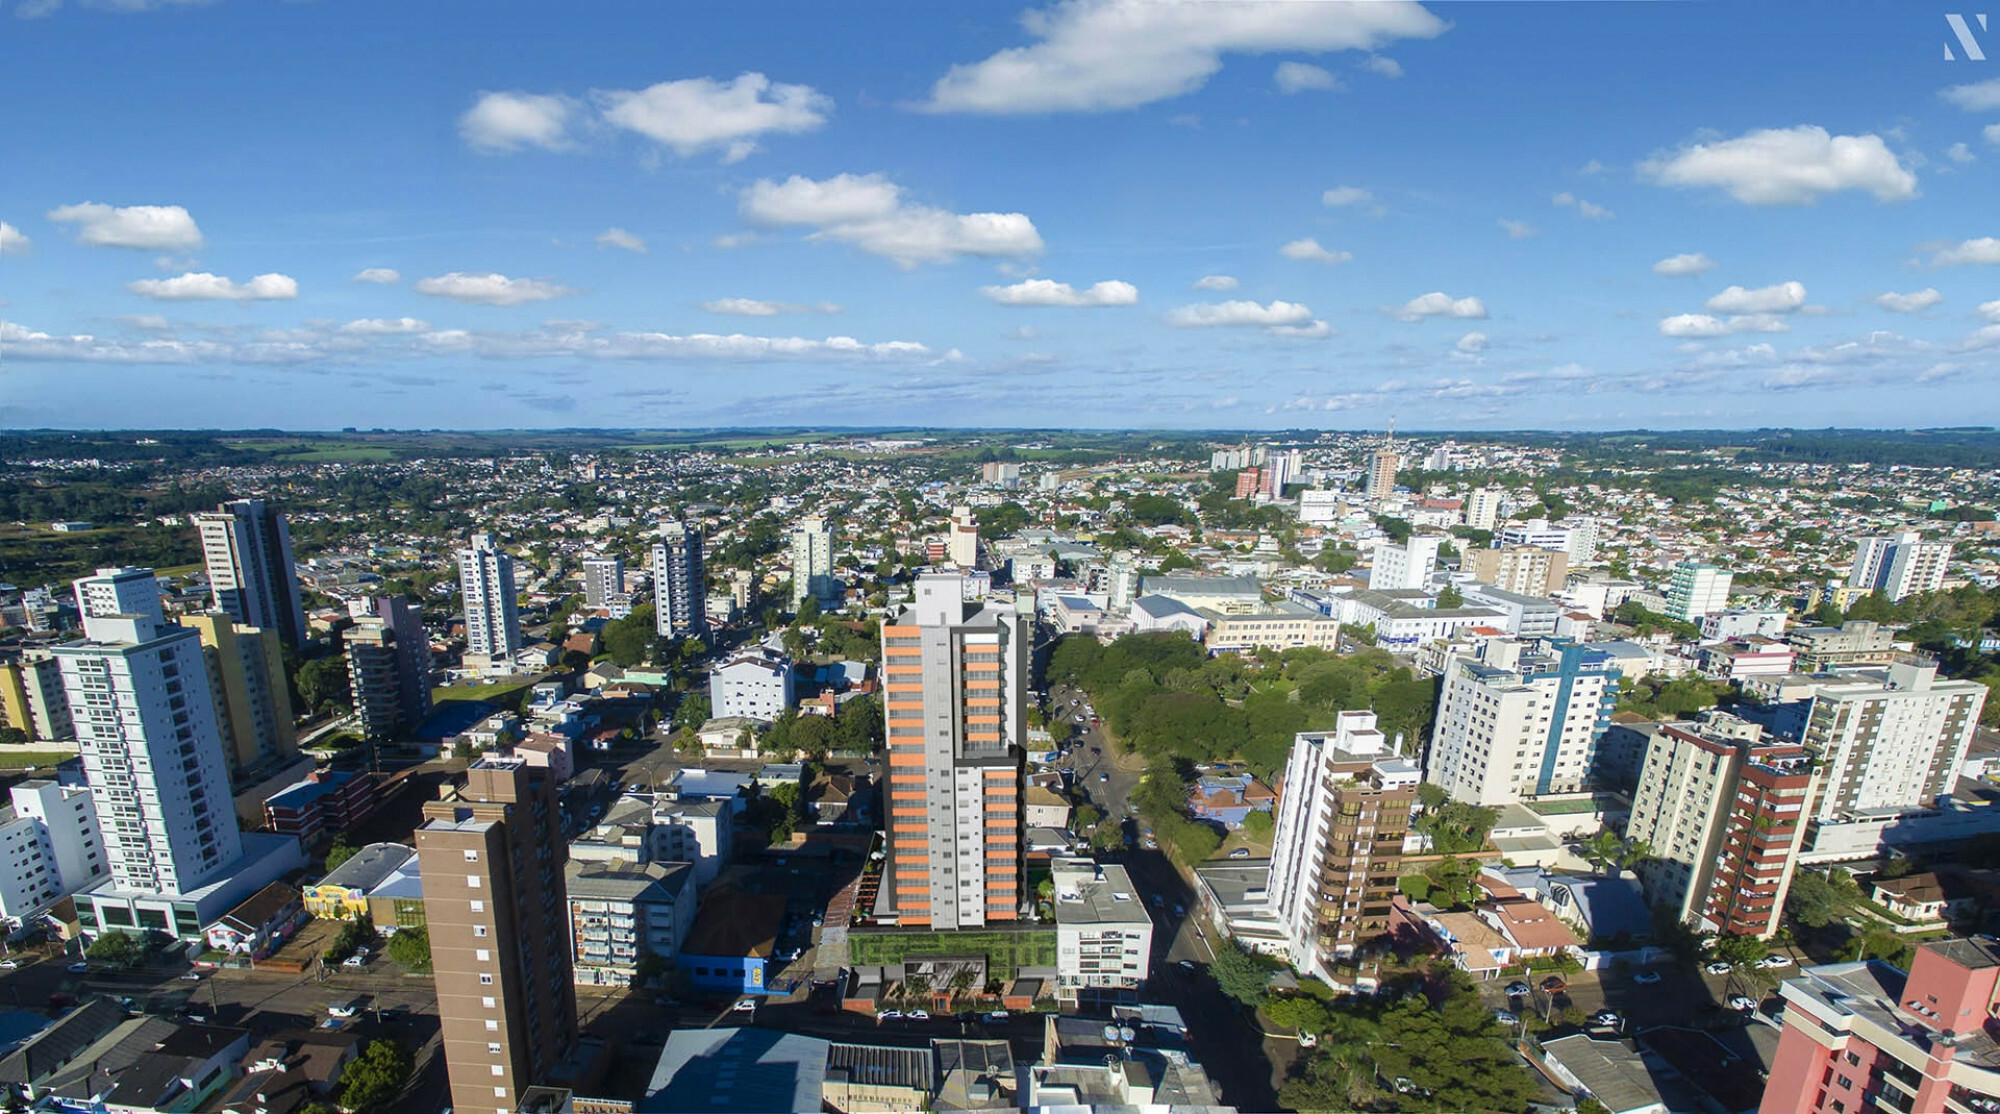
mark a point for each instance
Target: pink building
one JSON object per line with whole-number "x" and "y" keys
{"x": 1866, "y": 1037}
{"x": 548, "y": 750}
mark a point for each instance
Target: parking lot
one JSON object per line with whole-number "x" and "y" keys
{"x": 1684, "y": 994}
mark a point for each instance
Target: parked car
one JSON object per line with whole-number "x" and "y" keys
{"x": 1646, "y": 978}
{"x": 78, "y": 968}
{"x": 1308, "y": 1040}
{"x": 998, "y": 1017}
{"x": 355, "y": 961}
{"x": 342, "y": 1009}
{"x": 1742, "y": 1002}
{"x": 191, "y": 976}
{"x": 1554, "y": 984}
{"x": 9, "y": 964}
{"x": 1718, "y": 967}
{"x": 1505, "y": 1018}
{"x": 1517, "y": 988}
{"x": 1187, "y": 965}
{"x": 1607, "y": 1018}
{"x": 918, "y": 1015}
{"x": 744, "y": 1005}
{"x": 1775, "y": 959}
{"x": 889, "y": 1015}
{"x": 1240, "y": 853}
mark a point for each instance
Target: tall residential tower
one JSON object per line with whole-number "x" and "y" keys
{"x": 492, "y": 619}
{"x": 248, "y": 549}
{"x": 680, "y": 592}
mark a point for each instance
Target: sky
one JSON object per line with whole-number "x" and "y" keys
{"x": 1091, "y": 213}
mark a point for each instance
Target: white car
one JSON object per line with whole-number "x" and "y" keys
{"x": 1505, "y": 1018}
{"x": 889, "y": 1015}
{"x": 998, "y": 1017}
{"x": 918, "y": 1015}
{"x": 342, "y": 1010}
{"x": 1718, "y": 968}
{"x": 10, "y": 964}
{"x": 745, "y": 1005}
{"x": 1775, "y": 960}
{"x": 1742, "y": 1002}
{"x": 355, "y": 961}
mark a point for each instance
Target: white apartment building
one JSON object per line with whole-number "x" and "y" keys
{"x": 603, "y": 578}
{"x": 1320, "y": 506}
{"x": 492, "y": 620}
{"x": 1523, "y": 722}
{"x": 621, "y": 910}
{"x": 1899, "y": 565}
{"x": 680, "y": 591}
{"x": 122, "y": 591}
{"x": 1892, "y": 738}
{"x": 1686, "y": 789}
{"x": 1482, "y": 507}
{"x": 1104, "y": 937}
{"x": 755, "y": 684}
{"x": 1521, "y": 615}
{"x": 49, "y": 847}
{"x": 962, "y": 542}
{"x": 812, "y": 562}
{"x": 1538, "y": 532}
{"x": 1407, "y": 566}
{"x": 700, "y": 833}
{"x": 1723, "y": 626}
{"x": 248, "y": 549}
{"x": 1697, "y": 589}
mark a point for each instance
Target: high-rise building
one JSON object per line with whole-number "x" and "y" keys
{"x": 1899, "y": 565}
{"x": 1697, "y": 589}
{"x": 812, "y": 562}
{"x": 492, "y": 618}
{"x": 492, "y": 854}
{"x": 955, "y": 675}
{"x": 246, "y": 675}
{"x": 1381, "y": 478}
{"x": 1482, "y": 507}
{"x": 680, "y": 590}
{"x": 1724, "y": 811}
{"x": 388, "y": 666}
{"x": 1405, "y": 567}
{"x": 603, "y": 578}
{"x": 1249, "y": 482}
{"x": 1527, "y": 569}
{"x": 1338, "y": 845}
{"x": 962, "y": 543}
{"x": 1863, "y": 1037}
{"x": 1281, "y": 466}
{"x": 1584, "y": 532}
{"x": 32, "y": 690}
{"x": 1890, "y": 738}
{"x": 1121, "y": 581}
{"x": 51, "y": 846}
{"x": 1538, "y": 532}
{"x": 151, "y": 745}
{"x": 1521, "y": 722}
{"x": 115, "y": 592}
{"x": 1006, "y": 473}
{"x": 14, "y": 711}
{"x": 248, "y": 549}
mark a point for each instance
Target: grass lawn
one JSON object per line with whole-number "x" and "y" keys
{"x": 11, "y": 759}
{"x": 508, "y": 694}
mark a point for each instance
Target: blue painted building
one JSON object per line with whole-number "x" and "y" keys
{"x": 732, "y": 947}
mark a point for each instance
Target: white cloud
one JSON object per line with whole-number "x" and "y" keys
{"x": 1584, "y": 209}
{"x": 1785, "y": 297}
{"x": 752, "y": 307}
{"x": 1786, "y": 166}
{"x": 1914, "y": 302}
{"x": 1345, "y": 195}
{"x": 1518, "y": 229}
{"x": 1043, "y": 292}
{"x": 1471, "y": 342}
{"x": 1960, "y": 153}
{"x": 490, "y": 289}
{"x": 1979, "y": 96}
{"x": 499, "y": 122}
{"x": 11, "y": 240}
{"x": 1986, "y": 249}
{"x": 1318, "y": 330}
{"x": 1215, "y": 282}
{"x": 697, "y": 114}
{"x": 1686, "y": 263}
{"x": 202, "y": 286}
{"x": 619, "y": 238}
{"x": 868, "y": 211}
{"x": 1704, "y": 325}
{"x": 1592, "y": 168}
{"x": 1379, "y": 64}
{"x": 1298, "y": 77}
{"x": 1991, "y": 133}
{"x": 1104, "y": 55}
{"x": 1204, "y": 315}
{"x": 150, "y": 322}
{"x": 1308, "y": 250}
{"x": 1990, "y": 311}
{"x": 148, "y": 227}
{"x": 381, "y": 276}
{"x": 1437, "y": 304}
{"x": 384, "y": 327}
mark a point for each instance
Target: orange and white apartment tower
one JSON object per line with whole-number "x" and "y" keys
{"x": 954, "y": 672}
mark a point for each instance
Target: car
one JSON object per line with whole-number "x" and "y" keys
{"x": 1742, "y": 1002}
{"x": 364, "y": 952}
{"x": 1179, "y": 909}
{"x": 1187, "y": 965}
{"x": 191, "y": 976}
{"x": 78, "y": 968}
{"x": 342, "y": 1010}
{"x": 1775, "y": 959}
{"x": 1308, "y": 1040}
{"x": 889, "y": 1015}
{"x": 1646, "y": 978}
{"x": 1240, "y": 853}
{"x": 1517, "y": 988}
{"x": 1718, "y": 967}
{"x": 10, "y": 964}
{"x": 744, "y": 1005}
{"x": 128, "y": 1004}
{"x": 1607, "y": 1018}
{"x": 61, "y": 1001}
{"x": 355, "y": 961}
{"x": 1505, "y": 1018}
{"x": 1104, "y": 777}
{"x": 918, "y": 1015}
{"x": 1554, "y": 984}
{"x": 1149, "y": 843}
{"x": 998, "y": 1017}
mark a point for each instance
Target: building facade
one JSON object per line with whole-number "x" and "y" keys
{"x": 248, "y": 549}
{"x": 755, "y": 684}
{"x": 603, "y": 579}
{"x": 1899, "y": 565}
{"x": 620, "y": 911}
{"x": 680, "y": 593}
{"x": 1381, "y": 477}
{"x": 1407, "y": 566}
{"x": 812, "y": 562}
{"x": 954, "y": 677}
{"x": 246, "y": 674}
{"x": 1523, "y": 721}
{"x": 1527, "y": 569}
{"x": 388, "y": 667}
{"x": 492, "y": 618}
{"x": 1104, "y": 936}
{"x": 1697, "y": 589}
{"x": 50, "y": 847}
{"x": 1891, "y": 738}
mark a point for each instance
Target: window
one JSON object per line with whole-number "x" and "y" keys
{"x": 492, "y": 1026}
{"x": 493, "y": 1047}
{"x": 472, "y": 856}
{"x": 499, "y": 1069}
{"x": 486, "y": 978}
{"x": 479, "y": 907}
{"x": 482, "y": 955}
{"x": 488, "y": 1003}
{"x": 473, "y": 882}
{"x": 479, "y": 930}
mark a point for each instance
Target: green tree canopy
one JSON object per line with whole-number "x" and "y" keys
{"x": 376, "y": 1077}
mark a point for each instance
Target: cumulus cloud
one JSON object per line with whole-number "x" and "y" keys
{"x": 1105, "y": 55}
{"x": 1318, "y": 330}
{"x": 868, "y": 211}
{"x": 1279, "y": 318}
{"x": 1785, "y": 297}
{"x": 1960, "y": 153}
{"x": 1345, "y": 195}
{"x": 146, "y": 227}
{"x": 12, "y": 242}
{"x": 1518, "y": 229}
{"x": 619, "y": 238}
{"x": 699, "y": 114}
{"x": 381, "y": 276}
{"x": 499, "y": 122}
{"x": 1298, "y": 77}
{"x": 1979, "y": 96}
{"x": 752, "y": 307}
{"x": 1215, "y": 282}
{"x": 385, "y": 327}
{"x": 1785, "y": 166}
{"x": 1308, "y": 250}
{"x": 1986, "y": 249}
{"x": 1914, "y": 302}
{"x": 202, "y": 286}
{"x": 1990, "y": 311}
{"x": 1379, "y": 64}
{"x": 490, "y": 289}
{"x": 1701, "y": 325}
{"x": 1044, "y": 292}
{"x": 1471, "y": 342}
{"x": 1438, "y": 304}
{"x": 1584, "y": 209}
{"x": 1991, "y": 133}
{"x": 1686, "y": 263}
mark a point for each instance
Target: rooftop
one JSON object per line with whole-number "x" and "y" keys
{"x": 751, "y": 1071}
{"x": 368, "y": 866}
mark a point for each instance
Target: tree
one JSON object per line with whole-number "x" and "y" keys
{"x": 1257, "y": 825}
{"x": 13, "y": 736}
{"x": 1304, "y": 1015}
{"x": 1454, "y": 1055}
{"x": 411, "y": 947}
{"x": 1810, "y": 901}
{"x": 857, "y": 729}
{"x": 375, "y": 1077}
{"x": 693, "y": 711}
{"x": 338, "y": 852}
{"x": 116, "y": 949}
{"x": 1451, "y": 881}
{"x": 1239, "y": 974}
{"x": 1449, "y": 596}
{"x": 1739, "y": 950}
{"x": 322, "y": 683}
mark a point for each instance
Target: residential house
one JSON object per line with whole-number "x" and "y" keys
{"x": 343, "y": 893}
{"x": 261, "y": 924}
{"x": 1228, "y": 799}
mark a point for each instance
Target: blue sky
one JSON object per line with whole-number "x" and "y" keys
{"x": 1096, "y": 213}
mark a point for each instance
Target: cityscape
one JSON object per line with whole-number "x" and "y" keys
{"x": 1045, "y": 555}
